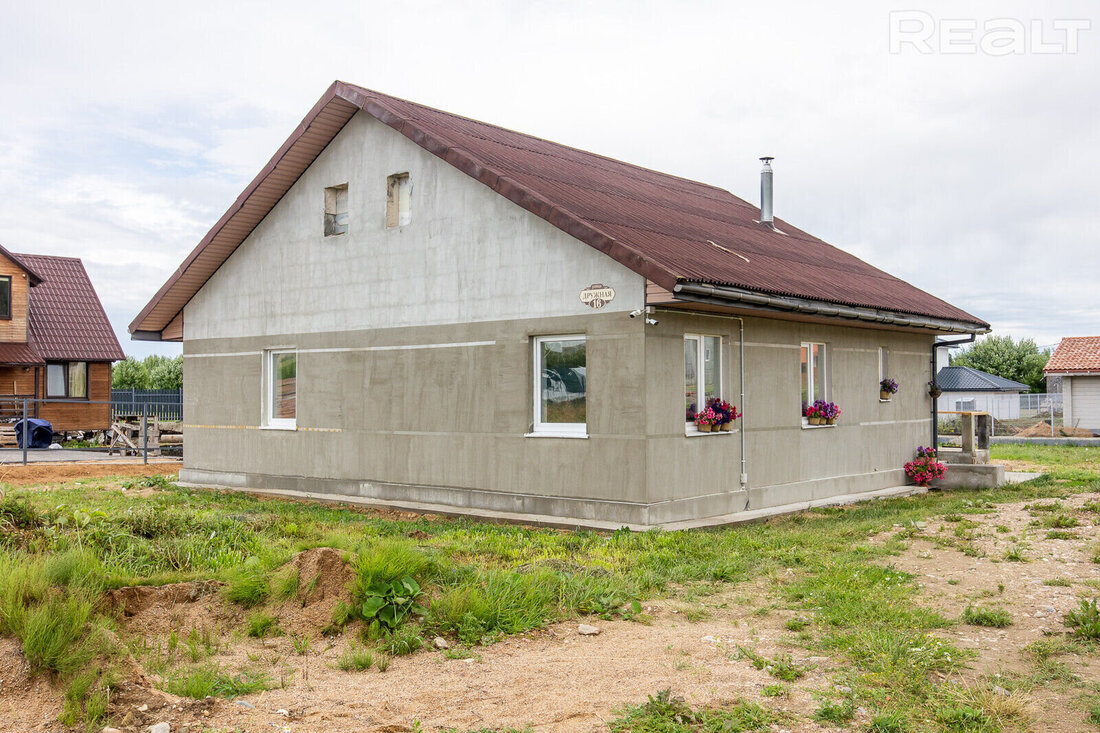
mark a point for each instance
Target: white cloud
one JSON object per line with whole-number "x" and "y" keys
{"x": 132, "y": 127}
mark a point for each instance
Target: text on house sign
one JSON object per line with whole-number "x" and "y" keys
{"x": 597, "y": 295}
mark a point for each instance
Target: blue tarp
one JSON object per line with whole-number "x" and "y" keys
{"x": 39, "y": 433}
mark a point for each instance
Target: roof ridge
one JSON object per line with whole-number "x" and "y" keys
{"x": 534, "y": 137}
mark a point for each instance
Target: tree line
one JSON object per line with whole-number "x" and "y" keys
{"x": 1021, "y": 361}
{"x": 152, "y": 372}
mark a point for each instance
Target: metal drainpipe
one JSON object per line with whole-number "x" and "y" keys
{"x": 935, "y": 402}
{"x": 741, "y": 367}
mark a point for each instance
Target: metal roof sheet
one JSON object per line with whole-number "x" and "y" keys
{"x": 19, "y": 354}
{"x": 968, "y": 379}
{"x": 65, "y": 320}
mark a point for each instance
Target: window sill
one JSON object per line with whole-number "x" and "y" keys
{"x": 701, "y": 434}
{"x": 290, "y": 428}
{"x": 882, "y": 400}
{"x": 817, "y": 427}
{"x": 549, "y": 434}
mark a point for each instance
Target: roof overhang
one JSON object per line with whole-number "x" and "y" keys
{"x": 1072, "y": 373}
{"x": 745, "y": 299}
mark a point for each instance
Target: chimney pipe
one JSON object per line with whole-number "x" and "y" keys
{"x": 767, "y": 215}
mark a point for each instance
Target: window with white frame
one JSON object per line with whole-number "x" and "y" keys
{"x": 281, "y": 388}
{"x": 883, "y": 363}
{"x": 814, "y": 385}
{"x": 702, "y": 373}
{"x": 560, "y": 385}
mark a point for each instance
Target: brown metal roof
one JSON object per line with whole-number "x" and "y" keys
{"x": 19, "y": 354}
{"x": 661, "y": 226}
{"x": 65, "y": 320}
{"x": 1075, "y": 354}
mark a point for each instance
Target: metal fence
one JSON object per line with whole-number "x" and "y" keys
{"x": 165, "y": 404}
{"x": 86, "y": 430}
{"x": 1033, "y": 414}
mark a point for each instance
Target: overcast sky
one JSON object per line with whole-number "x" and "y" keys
{"x": 127, "y": 129}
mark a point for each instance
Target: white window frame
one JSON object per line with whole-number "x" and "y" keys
{"x": 690, "y": 428}
{"x": 811, "y": 365}
{"x": 554, "y": 429}
{"x": 269, "y": 420}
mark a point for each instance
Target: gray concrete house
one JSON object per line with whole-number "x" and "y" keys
{"x": 1077, "y": 362}
{"x": 414, "y": 308}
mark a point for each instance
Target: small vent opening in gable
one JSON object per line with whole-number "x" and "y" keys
{"x": 336, "y": 210}
{"x": 398, "y": 200}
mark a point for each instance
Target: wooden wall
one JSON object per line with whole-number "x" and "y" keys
{"x": 81, "y": 414}
{"x": 16, "y": 328}
{"x": 15, "y": 381}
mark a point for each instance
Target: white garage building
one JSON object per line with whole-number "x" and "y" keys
{"x": 1077, "y": 362}
{"x": 966, "y": 389}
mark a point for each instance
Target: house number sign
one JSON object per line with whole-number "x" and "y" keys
{"x": 597, "y": 295}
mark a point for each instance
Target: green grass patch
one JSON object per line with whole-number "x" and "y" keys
{"x": 356, "y": 658}
{"x": 996, "y": 618}
{"x": 664, "y": 713}
{"x": 211, "y": 680}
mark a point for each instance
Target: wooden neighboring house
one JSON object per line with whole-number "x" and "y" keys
{"x": 56, "y": 343}
{"x": 1077, "y": 362}
{"x": 965, "y": 388}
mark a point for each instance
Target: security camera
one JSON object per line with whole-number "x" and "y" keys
{"x": 651, "y": 321}
{"x": 636, "y": 312}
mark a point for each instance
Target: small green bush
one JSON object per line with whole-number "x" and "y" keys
{"x": 389, "y": 601}
{"x": 836, "y": 713}
{"x": 1085, "y": 621}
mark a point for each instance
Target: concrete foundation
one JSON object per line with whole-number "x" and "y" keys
{"x": 971, "y": 476}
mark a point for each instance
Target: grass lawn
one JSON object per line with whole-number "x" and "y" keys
{"x": 63, "y": 548}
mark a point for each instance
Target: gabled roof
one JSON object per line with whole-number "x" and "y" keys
{"x": 1075, "y": 354}
{"x": 65, "y": 320}
{"x": 32, "y": 277}
{"x": 671, "y": 230}
{"x": 966, "y": 379}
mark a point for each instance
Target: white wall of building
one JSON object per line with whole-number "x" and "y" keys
{"x": 467, "y": 255}
{"x": 1001, "y": 405}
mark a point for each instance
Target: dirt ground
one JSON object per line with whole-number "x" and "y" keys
{"x": 951, "y": 580}
{"x": 555, "y": 679}
{"x": 45, "y": 473}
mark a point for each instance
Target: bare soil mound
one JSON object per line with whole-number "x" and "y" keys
{"x": 1042, "y": 430}
{"x": 32, "y": 700}
{"x": 323, "y": 579}
{"x": 174, "y": 607}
